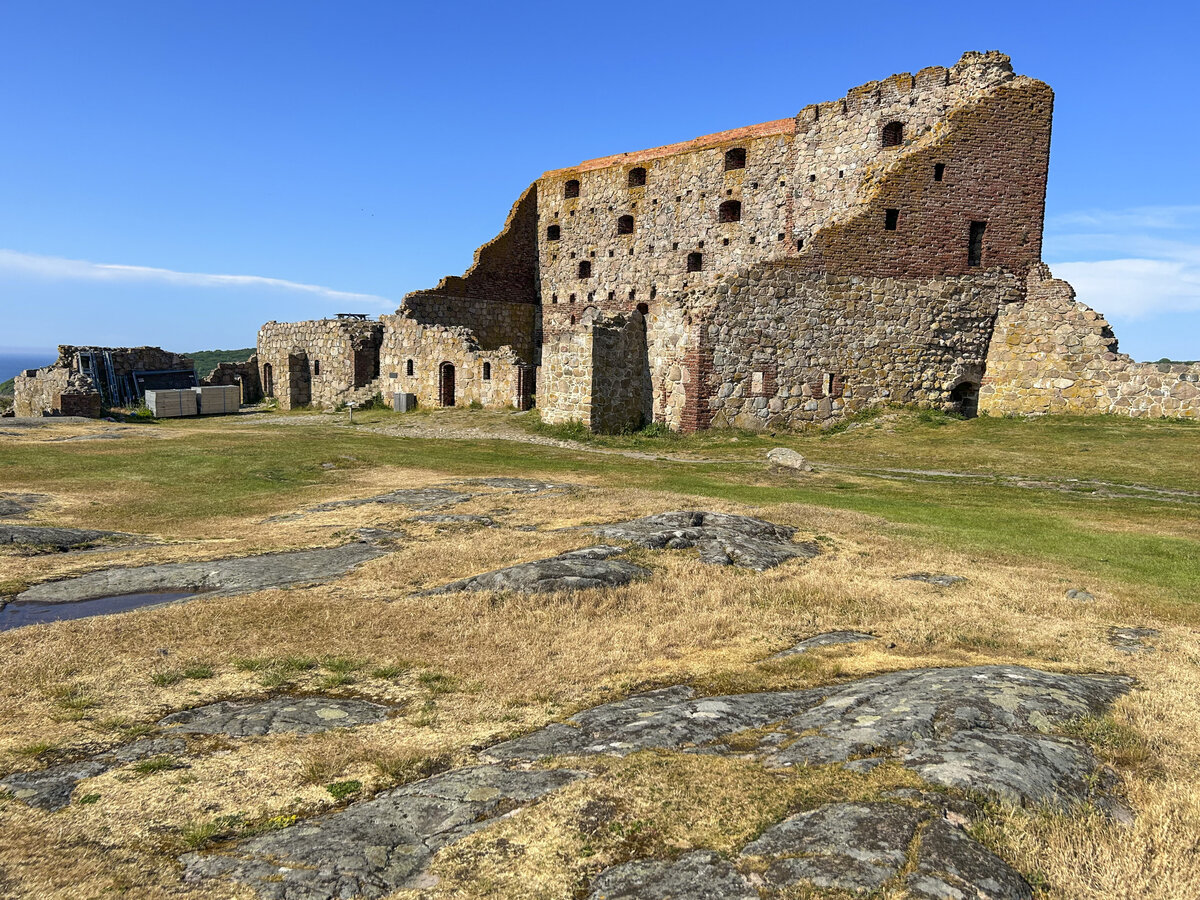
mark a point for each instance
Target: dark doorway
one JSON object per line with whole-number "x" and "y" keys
{"x": 965, "y": 397}
{"x": 268, "y": 380}
{"x": 446, "y": 384}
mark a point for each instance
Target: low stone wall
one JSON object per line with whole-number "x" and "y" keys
{"x": 243, "y": 374}
{"x": 430, "y": 347}
{"x": 55, "y": 391}
{"x": 1052, "y": 354}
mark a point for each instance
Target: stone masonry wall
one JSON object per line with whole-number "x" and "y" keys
{"x": 324, "y": 362}
{"x": 61, "y": 388}
{"x": 243, "y": 374}
{"x": 1052, "y": 354}
{"x": 429, "y": 347}
{"x": 988, "y": 128}
{"x": 505, "y": 268}
{"x": 494, "y": 323}
{"x": 598, "y": 373}
{"x": 788, "y": 347}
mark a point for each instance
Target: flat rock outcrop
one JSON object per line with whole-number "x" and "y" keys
{"x": 855, "y": 847}
{"x": 413, "y": 498}
{"x": 44, "y": 537}
{"x": 828, "y": 639}
{"x": 722, "y": 539}
{"x": 576, "y": 570}
{"x": 50, "y": 789}
{"x": 220, "y": 576}
{"x": 13, "y": 505}
{"x": 275, "y": 715}
{"x": 934, "y": 578}
{"x": 380, "y": 845}
{"x": 980, "y": 727}
{"x": 988, "y": 729}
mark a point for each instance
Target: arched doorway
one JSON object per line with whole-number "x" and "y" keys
{"x": 446, "y": 384}
{"x": 965, "y": 397}
{"x": 268, "y": 380}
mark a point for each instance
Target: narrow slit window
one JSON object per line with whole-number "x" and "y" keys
{"x": 571, "y": 189}
{"x": 487, "y": 371}
{"x": 975, "y": 244}
{"x": 891, "y": 219}
{"x": 625, "y": 225}
{"x": 410, "y": 368}
{"x": 316, "y": 367}
{"x": 730, "y": 211}
{"x": 695, "y": 262}
{"x": 735, "y": 159}
{"x": 637, "y": 177}
{"x": 939, "y": 171}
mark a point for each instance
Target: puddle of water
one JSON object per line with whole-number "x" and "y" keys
{"x": 33, "y": 612}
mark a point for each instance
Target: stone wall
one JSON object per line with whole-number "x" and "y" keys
{"x": 324, "y": 362}
{"x": 493, "y": 323}
{"x": 505, "y": 268}
{"x": 598, "y": 372}
{"x": 488, "y": 377}
{"x": 62, "y": 389}
{"x": 243, "y": 374}
{"x": 988, "y": 129}
{"x": 1052, "y": 354}
{"x": 780, "y": 346}
{"x": 40, "y": 392}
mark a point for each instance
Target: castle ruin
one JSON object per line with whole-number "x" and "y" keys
{"x": 880, "y": 248}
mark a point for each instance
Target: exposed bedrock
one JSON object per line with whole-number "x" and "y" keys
{"x": 380, "y": 845}
{"x": 721, "y": 538}
{"x": 854, "y": 847}
{"x": 275, "y": 715}
{"x": 219, "y": 576}
{"x": 14, "y": 505}
{"x": 576, "y": 570}
{"x": 985, "y": 728}
{"x": 45, "y": 537}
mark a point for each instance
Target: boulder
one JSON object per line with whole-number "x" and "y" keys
{"x": 788, "y": 459}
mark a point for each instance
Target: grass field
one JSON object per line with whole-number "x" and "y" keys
{"x": 1024, "y": 509}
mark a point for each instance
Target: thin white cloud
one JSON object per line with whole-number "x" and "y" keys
{"x": 1134, "y": 288}
{"x": 1131, "y": 263}
{"x": 53, "y": 267}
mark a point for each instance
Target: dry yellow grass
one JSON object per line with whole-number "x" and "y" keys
{"x": 516, "y": 663}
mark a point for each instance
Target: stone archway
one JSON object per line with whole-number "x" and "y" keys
{"x": 965, "y": 397}
{"x": 446, "y": 384}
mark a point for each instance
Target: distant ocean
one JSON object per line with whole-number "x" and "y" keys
{"x": 13, "y": 363}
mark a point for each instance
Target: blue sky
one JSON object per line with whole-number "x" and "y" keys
{"x": 179, "y": 172}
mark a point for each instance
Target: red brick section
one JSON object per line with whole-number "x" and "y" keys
{"x": 779, "y": 126}
{"x": 697, "y": 414}
{"x": 996, "y": 154}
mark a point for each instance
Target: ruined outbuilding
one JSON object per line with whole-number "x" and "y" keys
{"x": 880, "y": 248}
{"x": 85, "y": 380}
